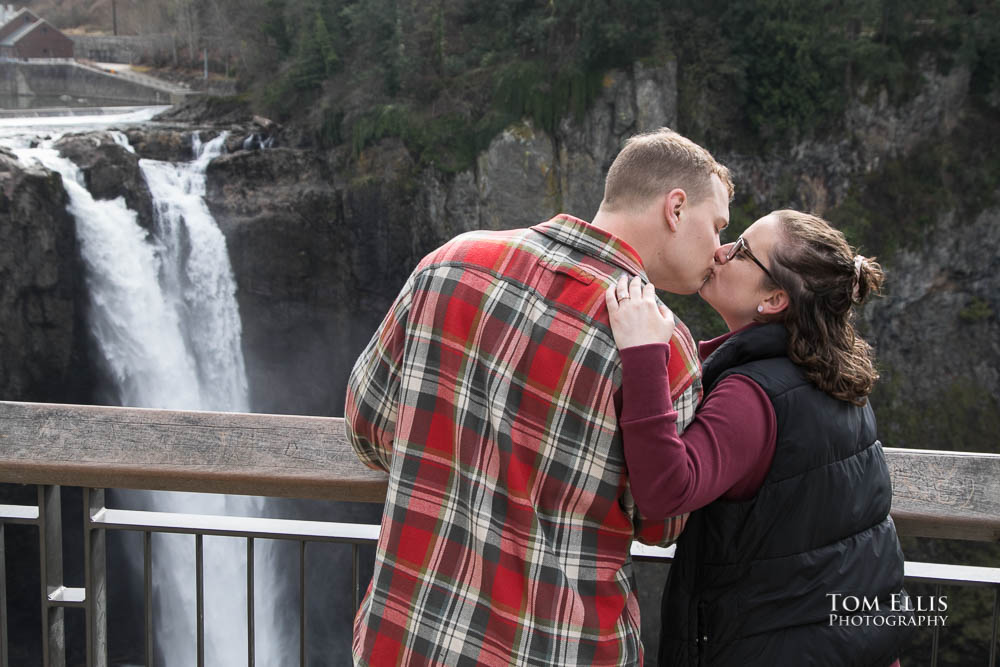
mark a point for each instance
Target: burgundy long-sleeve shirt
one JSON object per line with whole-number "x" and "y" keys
{"x": 725, "y": 452}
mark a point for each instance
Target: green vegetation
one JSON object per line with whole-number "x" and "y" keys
{"x": 781, "y": 70}
{"x": 977, "y": 311}
{"x": 529, "y": 89}
{"x": 752, "y": 74}
{"x": 444, "y": 77}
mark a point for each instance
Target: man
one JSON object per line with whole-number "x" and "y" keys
{"x": 490, "y": 395}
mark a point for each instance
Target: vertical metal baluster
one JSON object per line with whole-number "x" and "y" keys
{"x": 199, "y": 557}
{"x": 95, "y": 575}
{"x": 302, "y": 603}
{"x": 3, "y": 596}
{"x": 43, "y": 575}
{"x": 355, "y": 576}
{"x": 50, "y": 561}
{"x": 937, "y": 631}
{"x": 250, "y": 605}
{"x": 147, "y": 587}
{"x": 87, "y": 564}
{"x": 994, "y": 639}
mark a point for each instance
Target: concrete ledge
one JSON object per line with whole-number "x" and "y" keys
{"x": 54, "y": 78}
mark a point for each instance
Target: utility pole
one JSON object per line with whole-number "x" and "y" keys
{"x": 114, "y": 17}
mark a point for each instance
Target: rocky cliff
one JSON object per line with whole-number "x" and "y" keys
{"x": 42, "y": 341}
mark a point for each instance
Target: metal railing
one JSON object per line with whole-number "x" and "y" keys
{"x": 936, "y": 494}
{"x": 98, "y": 518}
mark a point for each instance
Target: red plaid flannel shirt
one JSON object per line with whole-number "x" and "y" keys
{"x": 489, "y": 396}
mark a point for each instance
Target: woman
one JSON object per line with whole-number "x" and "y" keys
{"x": 792, "y": 558}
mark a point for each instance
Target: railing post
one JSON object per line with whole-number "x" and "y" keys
{"x": 251, "y": 621}
{"x": 95, "y": 584}
{"x": 994, "y": 637}
{"x": 3, "y": 596}
{"x": 50, "y": 561}
{"x": 302, "y": 603}
{"x": 199, "y": 568}
{"x": 147, "y": 588}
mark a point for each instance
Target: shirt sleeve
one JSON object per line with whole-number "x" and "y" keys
{"x": 725, "y": 451}
{"x": 663, "y": 532}
{"x": 373, "y": 387}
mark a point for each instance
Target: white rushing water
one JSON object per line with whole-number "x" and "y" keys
{"x": 164, "y": 315}
{"x": 198, "y": 281}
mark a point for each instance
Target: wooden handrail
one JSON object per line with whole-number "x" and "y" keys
{"x": 953, "y": 495}
{"x": 172, "y": 450}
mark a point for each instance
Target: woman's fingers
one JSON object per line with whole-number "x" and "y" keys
{"x": 649, "y": 292}
{"x": 635, "y": 288}
{"x": 611, "y": 299}
{"x": 637, "y": 317}
{"x": 621, "y": 287}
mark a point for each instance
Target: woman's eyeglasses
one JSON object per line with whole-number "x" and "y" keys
{"x": 741, "y": 246}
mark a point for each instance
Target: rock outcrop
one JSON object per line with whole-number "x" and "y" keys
{"x": 168, "y": 145}
{"x": 109, "y": 171}
{"x": 291, "y": 255}
{"x": 937, "y": 336}
{"x": 42, "y": 346}
{"x": 817, "y": 173}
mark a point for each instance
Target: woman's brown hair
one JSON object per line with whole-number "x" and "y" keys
{"x": 825, "y": 279}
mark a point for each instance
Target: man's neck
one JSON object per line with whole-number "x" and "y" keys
{"x": 625, "y": 226}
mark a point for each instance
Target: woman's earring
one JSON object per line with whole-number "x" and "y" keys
{"x": 760, "y": 308}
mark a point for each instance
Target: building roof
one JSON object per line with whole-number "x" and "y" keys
{"x": 20, "y": 33}
{"x": 21, "y": 12}
{"x": 18, "y": 19}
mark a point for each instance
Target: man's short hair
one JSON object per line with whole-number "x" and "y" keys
{"x": 654, "y": 163}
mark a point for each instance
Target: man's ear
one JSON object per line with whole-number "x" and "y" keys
{"x": 672, "y": 207}
{"x": 775, "y": 303}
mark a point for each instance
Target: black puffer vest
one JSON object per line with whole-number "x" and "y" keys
{"x": 751, "y": 582}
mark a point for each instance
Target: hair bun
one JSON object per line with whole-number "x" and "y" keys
{"x": 868, "y": 278}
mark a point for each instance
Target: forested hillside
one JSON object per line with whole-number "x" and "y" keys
{"x": 447, "y": 75}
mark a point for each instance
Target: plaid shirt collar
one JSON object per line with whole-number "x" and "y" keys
{"x": 592, "y": 240}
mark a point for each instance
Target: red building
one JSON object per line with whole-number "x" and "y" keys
{"x": 27, "y": 36}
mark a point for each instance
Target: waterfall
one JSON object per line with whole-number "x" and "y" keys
{"x": 137, "y": 330}
{"x": 198, "y": 280}
{"x": 164, "y": 315}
